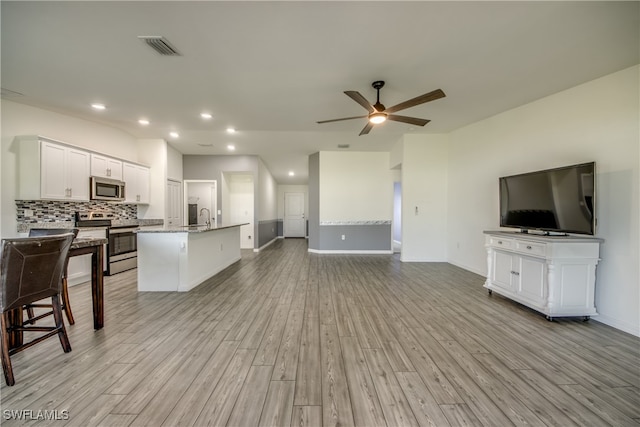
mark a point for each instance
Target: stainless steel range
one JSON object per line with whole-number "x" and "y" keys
{"x": 121, "y": 252}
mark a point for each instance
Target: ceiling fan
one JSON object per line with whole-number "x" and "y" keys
{"x": 379, "y": 114}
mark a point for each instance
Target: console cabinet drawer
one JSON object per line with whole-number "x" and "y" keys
{"x": 530, "y": 248}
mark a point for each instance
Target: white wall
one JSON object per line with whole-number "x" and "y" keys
{"x": 267, "y": 194}
{"x": 18, "y": 119}
{"x": 153, "y": 153}
{"x": 597, "y": 121}
{"x": 241, "y": 206}
{"x": 424, "y": 198}
{"x": 355, "y": 186}
{"x": 174, "y": 164}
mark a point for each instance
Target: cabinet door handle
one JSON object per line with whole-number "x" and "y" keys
{"x": 108, "y": 172}
{"x": 529, "y": 247}
{"x": 499, "y": 242}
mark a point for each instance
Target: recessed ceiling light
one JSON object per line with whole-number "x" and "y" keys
{"x": 231, "y": 130}
{"x": 98, "y": 106}
{"x": 205, "y": 116}
{"x": 174, "y": 134}
{"x": 231, "y": 147}
{"x": 143, "y": 122}
{"x": 291, "y": 173}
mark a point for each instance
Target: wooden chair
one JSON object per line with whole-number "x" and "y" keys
{"x": 31, "y": 269}
{"x": 66, "y": 303}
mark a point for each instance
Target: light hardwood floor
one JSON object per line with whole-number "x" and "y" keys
{"x": 285, "y": 337}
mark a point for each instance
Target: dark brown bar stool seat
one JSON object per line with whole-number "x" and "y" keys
{"x": 31, "y": 269}
{"x": 66, "y": 303}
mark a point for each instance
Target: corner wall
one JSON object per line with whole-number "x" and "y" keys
{"x": 355, "y": 202}
{"x": 597, "y": 121}
{"x": 424, "y": 198}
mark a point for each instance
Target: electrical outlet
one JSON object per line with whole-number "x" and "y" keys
{"x": 28, "y": 212}
{"x": 221, "y": 247}
{"x": 344, "y": 237}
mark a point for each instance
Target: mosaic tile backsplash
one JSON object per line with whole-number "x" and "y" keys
{"x": 58, "y": 211}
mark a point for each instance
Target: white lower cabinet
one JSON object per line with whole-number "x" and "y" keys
{"x": 554, "y": 275}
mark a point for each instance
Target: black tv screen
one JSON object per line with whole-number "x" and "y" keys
{"x": 555, "y": 200}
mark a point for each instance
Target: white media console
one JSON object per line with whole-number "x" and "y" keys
{"x": 554, "y": 275}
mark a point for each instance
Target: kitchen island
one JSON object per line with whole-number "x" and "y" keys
{"x": 179, "y": 258}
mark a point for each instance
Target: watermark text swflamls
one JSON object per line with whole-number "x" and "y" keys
{"x": 39, "y": 415}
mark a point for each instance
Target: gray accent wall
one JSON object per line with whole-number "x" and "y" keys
{"x": 358, "y": 237}
{"x": 267, "y": 231}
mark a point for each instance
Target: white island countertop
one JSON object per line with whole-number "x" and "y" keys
{"x": 179, "y": 258}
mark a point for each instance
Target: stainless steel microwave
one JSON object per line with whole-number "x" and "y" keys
{"x": 107, "y": 189}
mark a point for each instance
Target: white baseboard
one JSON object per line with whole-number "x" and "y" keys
{"x": 615, "y": 323}
{"x": 353, "y": 252}
{"x": 265, "y": 245}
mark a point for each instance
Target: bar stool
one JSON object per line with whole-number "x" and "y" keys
{"x": 66, "y": 304}
{"x": 31, "y": 270}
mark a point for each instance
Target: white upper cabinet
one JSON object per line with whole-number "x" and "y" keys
{"x": 137, "y": 183}
{"x": 106, "y": 167}
{"x": 52, "y": 171}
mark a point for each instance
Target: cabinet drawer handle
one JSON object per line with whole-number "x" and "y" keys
{"x": 515, "y": 273}
{"x": 528, "y": 247}
{"x": 499, "y": 242}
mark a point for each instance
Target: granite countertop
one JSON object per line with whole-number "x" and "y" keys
{"x": 84, "y": 242}
{"x": 26, "y": 226}
{"x": 201, "y": 228}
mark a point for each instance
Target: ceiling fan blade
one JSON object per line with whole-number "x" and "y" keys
{"x": 360, "y": 100}
{"x": 431, "y": 96}
{"x": 410, "y": 120}
{"x": 339, "y": 120}
{"x": 365, "y": 130}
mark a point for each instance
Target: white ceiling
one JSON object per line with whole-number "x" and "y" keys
{"x": 272, "y": 69}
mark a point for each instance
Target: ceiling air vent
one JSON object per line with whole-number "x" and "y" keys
{"x": 160, "y": 45}
{"x": 343, "y": 145}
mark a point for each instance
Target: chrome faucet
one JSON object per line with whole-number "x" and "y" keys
{"x": 208, "y": 222}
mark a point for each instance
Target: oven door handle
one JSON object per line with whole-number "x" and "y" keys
{"x": 122, "y": 230}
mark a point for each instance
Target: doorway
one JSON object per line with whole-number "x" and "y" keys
{"x": 201, "y": 200}
{"x": 294, "y": 215}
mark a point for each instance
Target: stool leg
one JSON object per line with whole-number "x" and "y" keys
{"x": 62, "y": 332}
{"x": 6, "y": 361}
{"x": 65, "y": 302}
{"x": 30, "y": 314}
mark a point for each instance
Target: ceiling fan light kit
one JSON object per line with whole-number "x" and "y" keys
{"x": 378, "y": 113}
{"x": 377, "y": 118}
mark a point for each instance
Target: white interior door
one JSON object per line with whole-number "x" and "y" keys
{"x": 174, "y": 202}
{"x": 294, "y": 219}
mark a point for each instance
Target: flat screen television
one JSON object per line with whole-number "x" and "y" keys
{"x": 560, "y": 200}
